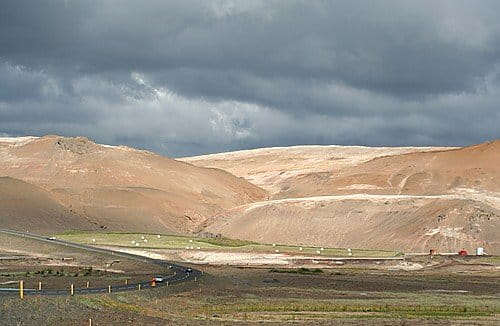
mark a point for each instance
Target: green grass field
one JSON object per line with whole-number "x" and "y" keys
{"x": 159, "y": 241}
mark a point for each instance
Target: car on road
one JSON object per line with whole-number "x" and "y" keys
{"x": 51, "y": 238}
{"x": 158, "y": 278}
{"x": 170, "y": 267}
{"x": 189, "y": 270}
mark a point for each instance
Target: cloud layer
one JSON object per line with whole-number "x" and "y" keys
{"x": 191, "y": 77}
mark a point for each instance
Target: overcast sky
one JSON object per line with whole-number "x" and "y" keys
{"x": 191, "y": 77}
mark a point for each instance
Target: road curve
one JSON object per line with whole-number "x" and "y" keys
{"x": 180, "y": 272}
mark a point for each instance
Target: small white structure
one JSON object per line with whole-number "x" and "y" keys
{"x": 198, "y": 248}
{"x": 187, "y": 247}
{"x": 322, "y": 249}
{"x": 142, "y": 237}
{"x": 191, "y": 247}
{"x": 133, "y": 241}
{"x": 277, "y": 250}
{"x": 137, "y": 244}
{"x": 479, "y": 251}
{"x": 274, "y": 244}
{"x": 145, "y": 240}
{"x": 158, "y": 236}
{"x": 300, "y": 248}
{"x": 190, "y": 240}
{"x": 93, "y": 240}
{"x": 318, "y": 252}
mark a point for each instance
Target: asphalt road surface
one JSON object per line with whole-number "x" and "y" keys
{"x": 180, "y": 272}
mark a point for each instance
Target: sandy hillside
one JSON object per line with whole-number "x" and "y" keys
{"x": 275, "y": 168}
{"x": 400, "y": 222}
{"x": 24, "y": 206}
{"x": 410, "y": 199}
{"x": 121, "y": 188}
{"x": 470, "y": 169}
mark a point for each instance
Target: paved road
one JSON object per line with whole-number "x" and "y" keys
{"x": 180, "y": 272}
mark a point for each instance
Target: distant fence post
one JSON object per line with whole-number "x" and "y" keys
{"x": 39, "y": 286}
{"x": 109, "y": 288}
{"x": 88, "y": 284}
{"x": 21, "y": 289}
{"x": 72, "y": 289}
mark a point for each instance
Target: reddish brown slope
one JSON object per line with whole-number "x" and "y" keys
{"x": 24, "y": 206}
{"x": 468, "y": 169}
{"x": 441, "y": 199}
{"x": 121, "y": 188}
{"x": 398, "y": 222}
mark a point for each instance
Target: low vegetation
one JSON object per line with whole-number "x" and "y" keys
{"x": 49, "y": 272}
{"x": 240, "y": 296}
{"x": 161, "y": 241}
{"x": 302, "y": 270}
{"x": 226, "y": 242}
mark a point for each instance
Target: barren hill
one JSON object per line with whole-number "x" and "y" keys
{"x": 24, "y": 206}
{"x": 410, "y": 199}
{"x": 469, "y": 169}
{"x": 121, "y": 188}
{"x": 276, "y": 168}
{"x": 407, "y": 198}
{"x": 398, "y": 222}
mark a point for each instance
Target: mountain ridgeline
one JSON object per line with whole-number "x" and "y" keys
{"x": 403, "y": 198}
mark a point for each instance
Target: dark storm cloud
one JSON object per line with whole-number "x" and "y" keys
{"x": 251, "y": 73}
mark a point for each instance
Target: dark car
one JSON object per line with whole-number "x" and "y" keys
{"x": 189, "y": 270}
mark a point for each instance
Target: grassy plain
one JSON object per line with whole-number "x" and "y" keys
{"x": 136, "y": 240}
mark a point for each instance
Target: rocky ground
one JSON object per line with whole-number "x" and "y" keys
{"x": 242, "y": 296}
